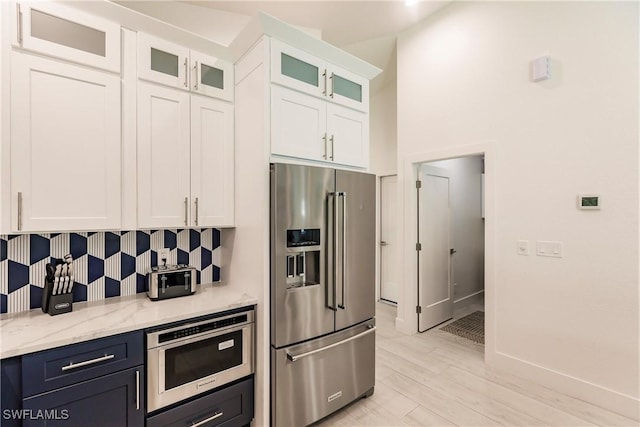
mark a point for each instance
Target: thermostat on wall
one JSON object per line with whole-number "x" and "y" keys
{"x": 589, "y": 201}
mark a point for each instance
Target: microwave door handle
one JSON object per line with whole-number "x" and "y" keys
{"x": 343, "y": 270}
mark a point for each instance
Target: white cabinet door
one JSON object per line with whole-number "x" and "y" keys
{"x": 211, "y": 76}
{"x": 56, "y": 30}
{"x": 298, "y": 124}
{"x": 348, "y": 132}
{"x": 163, "y": 62}
{"x": 347, "y": 88}
{"x": 212, "y": 162}
{"x": 297, "y": 69}
{"x": 65, "y": 146}
{"x": 163, "y": 156}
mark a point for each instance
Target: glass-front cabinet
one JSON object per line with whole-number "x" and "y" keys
{"x": 170, "y": 64}
{"x": 55, "y": 30}
{"x": 304, "y": 72}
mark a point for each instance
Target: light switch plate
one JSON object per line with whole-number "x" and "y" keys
{"x": 549, "y": 248}
{"x": 523, "y": 247}
{"x": 541, "y": 68}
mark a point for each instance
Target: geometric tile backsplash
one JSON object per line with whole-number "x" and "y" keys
{"x": 105, "y": 264}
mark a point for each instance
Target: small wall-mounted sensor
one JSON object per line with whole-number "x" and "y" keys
{"x": 589, "y": 201}
{"x": 541, "y": 69}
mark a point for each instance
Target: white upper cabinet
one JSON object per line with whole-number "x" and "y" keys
{"x": 177, "y": 66}
{"x": 347, "y": 89}
{"x": 185, "y": 159}
{"x": 163, "y": 157}
{"x": 65, "y": 146}
{"x": 55, "y": 30}
{"x": 298, "y": 125}
{"x": 212, "y": 163}
{"x": 163, "y": 62}
{"x": 297, "y": 69}
{"x": 211, "y": 76}
{"x": 306, "y": 127}
{"x": 348, "y": 136}
{"x": 304, "y": 72}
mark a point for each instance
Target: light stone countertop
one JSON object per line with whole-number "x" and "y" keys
{"x": 31, "y": 331}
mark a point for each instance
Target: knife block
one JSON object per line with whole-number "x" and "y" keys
{"x": 55, "y": 304}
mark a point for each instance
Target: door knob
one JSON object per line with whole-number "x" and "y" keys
{"x": 383, "y": 243}
{"x": 452, "y": 251}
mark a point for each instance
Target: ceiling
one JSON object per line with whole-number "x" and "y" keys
{"x": 366, "y": 29}
{"x": 342, "y": 22}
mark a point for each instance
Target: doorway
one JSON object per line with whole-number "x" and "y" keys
{"x": 389, "y": 238}
{"x": 450, "y": 236}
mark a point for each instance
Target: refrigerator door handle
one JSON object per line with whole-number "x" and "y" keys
{"x": 343, "y": 270}
{"x": 331, "y": 250}
{"x": 296, "y": 357}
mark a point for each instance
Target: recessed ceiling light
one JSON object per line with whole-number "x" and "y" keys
{"x": 410, "y": 2}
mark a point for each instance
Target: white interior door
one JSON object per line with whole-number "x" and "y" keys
{"x": 389, "y": 265}
{"x": 435, "y": 294}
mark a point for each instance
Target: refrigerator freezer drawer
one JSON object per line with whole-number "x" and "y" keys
{"x": 314, "y": 379}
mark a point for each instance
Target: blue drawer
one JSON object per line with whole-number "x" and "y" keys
{"x": 51, "y": 369}
{"x": 230, "y": 406}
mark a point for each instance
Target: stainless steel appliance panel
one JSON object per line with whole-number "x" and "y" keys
{"x": 183, "y": 362}
{"x": 355, "y": 247}
{"x": 298, "y": 202}
{"x": 319, "y": 377}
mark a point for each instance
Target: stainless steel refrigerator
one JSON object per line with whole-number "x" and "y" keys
{"x": 322, "y": 291}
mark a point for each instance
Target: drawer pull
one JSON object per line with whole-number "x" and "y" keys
{"x": 72, "y": 365}
{"x": 296, "y": 357}
{"x": 211, "y": 418}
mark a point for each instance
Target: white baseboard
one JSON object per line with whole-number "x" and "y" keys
{"x": 603, "y": 397}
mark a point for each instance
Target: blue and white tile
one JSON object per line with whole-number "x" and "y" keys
{"x": 4, "y": 278}
{"x": 95, "y": 290}
{"x": 128, "y": 285}
{"x": 37, "y": 272}
{"x": 81, "y": 269}
{"x": 128, "y": 243}
{"x": 19, "y": 300}
{"x": 112, "y": 266}
{"x": 59, "y": 246}
{"x": 18, "y": 249}
{"x": 95, "y": 245}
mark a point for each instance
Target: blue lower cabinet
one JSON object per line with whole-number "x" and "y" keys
{"x": 11, "y": 393}
{"x": 231, "y": 406}
{"x": 111, "y": 400}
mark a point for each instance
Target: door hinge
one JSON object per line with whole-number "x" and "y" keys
{"x": 418, "y": 309}
{"x": 418, "y": 184}
{"x": 418, "y": 246}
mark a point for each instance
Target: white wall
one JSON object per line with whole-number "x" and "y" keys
{"x": 463, "y": 78}
{"x": 467, "y": 225}
{"x": 383, "y": 131}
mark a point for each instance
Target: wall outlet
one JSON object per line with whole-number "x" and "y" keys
{"x": 163, "y": 255}
{"x": 549, "y": 248}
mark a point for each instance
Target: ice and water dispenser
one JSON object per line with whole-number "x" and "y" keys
{"x": 303, "y": 257}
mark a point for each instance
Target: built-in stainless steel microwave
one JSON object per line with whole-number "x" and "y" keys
{"x": 191, "y": 358}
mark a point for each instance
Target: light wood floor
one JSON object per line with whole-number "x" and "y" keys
{"x": 438, "y": 379}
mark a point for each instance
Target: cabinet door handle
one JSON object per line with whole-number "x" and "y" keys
{"x": 19, "y": 210}
{"x": 332, "y": 85}
{"x": 211, "y": 418}
{"x": 19, "y": 27}
{"x": 137, "y": 390}
{"x": 324, "y": 138}
{"x": 324, "y": 75}
{"x": 186, "y": 73}
{"x": 72, "y": 365}
{"x": 196, "y": 202}
{"x": 195, "y": 84}
{"x": 186, "y": 210}
{"x": 331, "y": 140}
